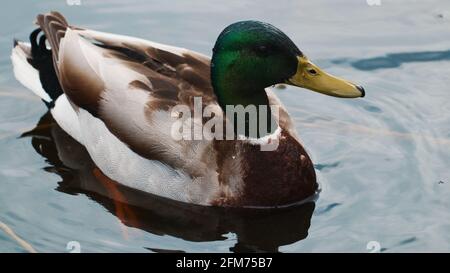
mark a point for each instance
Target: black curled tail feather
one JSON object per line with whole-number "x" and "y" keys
{"x": 42, "y": 60}
{"x": 52, "y": 28}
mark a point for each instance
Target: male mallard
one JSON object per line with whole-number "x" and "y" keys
{"x": 114, "y": 95}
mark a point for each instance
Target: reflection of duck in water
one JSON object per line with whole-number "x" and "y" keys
{"x": 114, "y": 95}
{"x": 255, "y": 229}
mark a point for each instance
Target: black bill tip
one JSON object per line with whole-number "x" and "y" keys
{"x": 361, "y": 89}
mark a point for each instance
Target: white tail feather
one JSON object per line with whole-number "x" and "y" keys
{"x": 25, "y": 73}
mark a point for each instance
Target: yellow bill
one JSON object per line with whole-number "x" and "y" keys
{"x": 310, "y": 76}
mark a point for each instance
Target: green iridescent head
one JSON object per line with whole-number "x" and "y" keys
{"x": 249, "y": 56}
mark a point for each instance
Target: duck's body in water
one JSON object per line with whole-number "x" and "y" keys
{"x": 115, "y": 95}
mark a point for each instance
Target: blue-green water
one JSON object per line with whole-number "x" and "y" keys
{"x": 383, "y": 161}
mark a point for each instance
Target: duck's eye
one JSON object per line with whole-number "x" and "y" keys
{"x": 262, "y": 49}
{"x": 312, "y": 71}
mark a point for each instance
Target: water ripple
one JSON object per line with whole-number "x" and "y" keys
{"x": 393, "y": 60}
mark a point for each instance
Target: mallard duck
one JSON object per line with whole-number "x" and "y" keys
{"x": 114, "y": 95}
